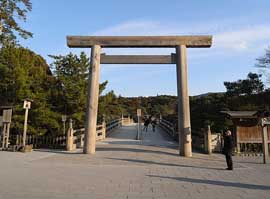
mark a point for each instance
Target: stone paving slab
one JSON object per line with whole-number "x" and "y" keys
{"x": 125, "y": 168}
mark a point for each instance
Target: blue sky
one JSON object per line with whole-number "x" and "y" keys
{"x": 240, "y": 29}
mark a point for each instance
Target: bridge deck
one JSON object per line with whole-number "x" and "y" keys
{"x": 126, "y": 168}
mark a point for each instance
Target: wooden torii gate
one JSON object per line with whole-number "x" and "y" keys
{"x": 180, "y": 43}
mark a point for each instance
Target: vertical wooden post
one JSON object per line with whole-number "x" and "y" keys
{"x": 64, "y": 127}
{"x": 25, "y": 126}
{"x": 184, "y": 129}
{"x": 237, "y": 140}
{"x": 265, "y": 144}
{"x": 138, "y": 128}
{"x": 81, "y": 141}
{"x": 7, "y": 133}
{"x": 17, "y": 140}
{"x": 4, "y": 135}
{"x": 69, "y": 138}
{"x": 103, "y": 128}
{"x": 209, "y": 140}
{"x": 92, "y": 101}
{"x": 122, "y": 119}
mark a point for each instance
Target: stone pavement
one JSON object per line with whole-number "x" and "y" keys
{"x": 125, "y": 168}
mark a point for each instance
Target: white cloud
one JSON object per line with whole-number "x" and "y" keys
{"x": 244, "y": 39}
{"x": 227, "y": 40}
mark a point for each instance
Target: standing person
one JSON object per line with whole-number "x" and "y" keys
{"x": 153, "y": 123}
{"x": 146, "y": 123}
{"x": 227, "y": 149}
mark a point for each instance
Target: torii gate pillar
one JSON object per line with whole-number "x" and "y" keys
{"x": 184, "y": 129}
{"x": 92, "y": 101}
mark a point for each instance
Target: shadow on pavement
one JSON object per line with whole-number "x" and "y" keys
{"x": 215, "y": 182}
{"x": 141, "y": 143}
{"x": 163, "y": 164}
{"x": 124, "y": 149}
{"x": 59, "y": 151}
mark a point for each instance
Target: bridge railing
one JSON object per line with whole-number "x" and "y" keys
{"x": 112, "y": 125}
{"x": 168, "y": 127}
{"x": 102, "y": 131}
{"x": 61, "y": 141}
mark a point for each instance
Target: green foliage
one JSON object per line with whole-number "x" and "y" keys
{"x": 10, "y": 12}
{"x": 23, "y": 74}
{"x": 252, "y": 85}
{"x": 71, "y": 72}
{"x": 109, "y": 106}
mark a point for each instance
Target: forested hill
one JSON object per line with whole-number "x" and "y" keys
{"x": 205, "y": 108}
{"x": 61, "y": 89}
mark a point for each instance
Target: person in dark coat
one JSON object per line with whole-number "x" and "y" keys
{"x": 153, "y": 123}
{"x": 228, "y": 148}
{"x": 146, "y": 123}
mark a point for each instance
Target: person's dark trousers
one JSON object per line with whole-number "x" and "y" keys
{"x": 229, "y": 161}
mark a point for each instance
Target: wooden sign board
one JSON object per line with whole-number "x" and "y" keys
{"x": 26, "y": 104}
{"x": 1, "y": 120}
{"x": 139, "y": 112}
{"x": 266, "y": 121}
{"x": 7, "y": 114}
{"x": 64, "y": 118}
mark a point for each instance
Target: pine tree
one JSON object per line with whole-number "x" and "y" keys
{"x": 10, "y": 12}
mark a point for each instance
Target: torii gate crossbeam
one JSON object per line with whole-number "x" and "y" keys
{"x": 180, "y": 43}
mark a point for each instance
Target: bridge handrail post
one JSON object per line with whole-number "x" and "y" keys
{"x": 167, "y": 126}
{"x": 208, "y": 140}
{"x": 104, "y": 128}
{"x": 70, "y": 137}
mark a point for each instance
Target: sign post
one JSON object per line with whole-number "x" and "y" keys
{"x": 6, "y": 120}
{"x": 264, "y": 123}
{"x": 26, "y": 106}
{"x": 139, "y": 114}
{"x": 64, "y": 119}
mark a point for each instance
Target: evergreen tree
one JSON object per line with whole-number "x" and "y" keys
{"x": 10, "y": 12}
{"x": 252, "y": 85}
{"x": 24, "y": 74}
{"x": 71, "y": 72}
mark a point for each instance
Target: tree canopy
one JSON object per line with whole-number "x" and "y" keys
{"x": 251, "y": 85}
{"x": 24, "y": 74}
{"x": 10, "y": 12}
{"x": 264, "y": 61}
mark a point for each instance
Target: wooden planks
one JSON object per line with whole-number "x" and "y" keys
{"x": 139, "y": 41}
{"x": 246, "y": 134}
{"x": 137, "y": 59}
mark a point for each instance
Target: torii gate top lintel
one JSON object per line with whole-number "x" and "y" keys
{"x": 194, "y": 41}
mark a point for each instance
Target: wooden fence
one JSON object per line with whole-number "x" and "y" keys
{"x": 60, "y": 141}
{"x": 169, "y": 128}
{"x": 103, "y": 130}
{"x": 199, "y": 138}
{"x": 249, "y": 140}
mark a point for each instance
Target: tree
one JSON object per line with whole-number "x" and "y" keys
{"x": 264, "y": 61}
{"x": 252, "y": 85}
{"x": 71, "y": 72}
{"x": 10, "y": 12}
{"x": 24, "y": 74}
